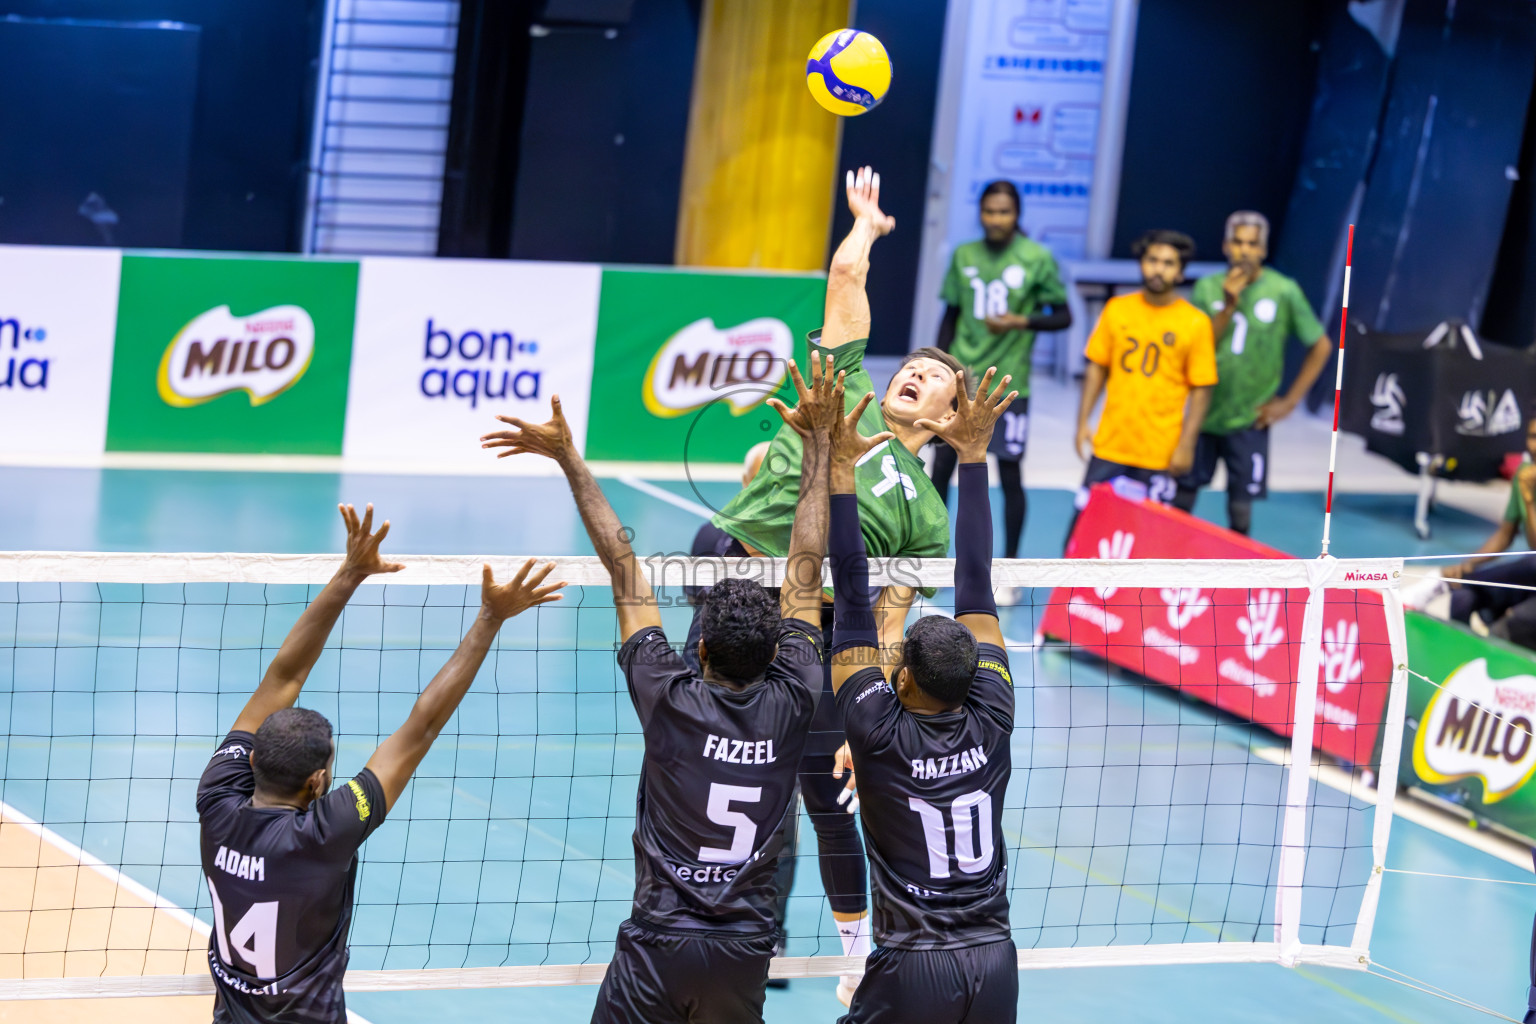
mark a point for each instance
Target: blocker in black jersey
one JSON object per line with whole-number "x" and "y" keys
{"x": 715, "y": 786}
{"x": 282, "y": 882}
{"x": 931, "y": 791}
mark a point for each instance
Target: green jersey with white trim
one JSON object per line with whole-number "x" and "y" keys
{"x": 1250, "y": 355}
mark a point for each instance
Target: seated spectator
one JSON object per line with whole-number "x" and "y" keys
{"x": 1509, "y": 614}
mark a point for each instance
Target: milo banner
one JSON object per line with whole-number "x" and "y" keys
{"x": 1238, "y": 649}
{"x": 685, "y": 360}
{"x": 1470, "y": 737}
{"x": 232, "y": 355}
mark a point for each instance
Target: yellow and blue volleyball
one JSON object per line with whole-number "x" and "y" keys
{"x": 848, "y": 71}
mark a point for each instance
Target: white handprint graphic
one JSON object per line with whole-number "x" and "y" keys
{"x": 1260, "y": 627}
{"x": 1185, "y": 605}
{"x": 1341, "y": 656}
{"x": 1118, "y": 546}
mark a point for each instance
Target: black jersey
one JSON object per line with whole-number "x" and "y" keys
{"x": 282, "y": 884}
{"x": 931, "y": 791}
{"x": 716, "y": 782}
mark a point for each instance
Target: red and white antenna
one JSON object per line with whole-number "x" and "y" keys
{"x": 1338, "y": 387}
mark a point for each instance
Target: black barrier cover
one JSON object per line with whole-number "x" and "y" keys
{"x": 1434, "y": 392}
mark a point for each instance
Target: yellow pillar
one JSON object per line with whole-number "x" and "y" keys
{"x": 761, "y": 163}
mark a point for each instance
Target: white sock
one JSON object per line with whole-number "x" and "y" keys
{"x": 855, "y": 936}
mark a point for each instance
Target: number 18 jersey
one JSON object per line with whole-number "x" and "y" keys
{"x": 716, "y": 782}
{"x": 931, "y": 791}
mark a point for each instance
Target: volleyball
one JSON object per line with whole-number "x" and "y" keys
{"x": 848, "y": 71}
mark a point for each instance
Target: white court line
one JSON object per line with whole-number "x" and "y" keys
{"x": 662, "y": 494}
{"x": 1413, "y": 810}
{"x": 13, "y": 816}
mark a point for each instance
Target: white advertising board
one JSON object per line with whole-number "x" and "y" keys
{"x": 58, "y": 319}
{"x": 441, "y": 347}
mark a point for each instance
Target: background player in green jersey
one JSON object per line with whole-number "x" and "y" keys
{"x": 1254, "y": 309}
{"x": 999, "y": 291}
{"x": 900, "y": 513}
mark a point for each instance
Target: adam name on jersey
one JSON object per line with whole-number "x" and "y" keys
{"x": 240, "y": 865}
{"x": 954, "y": 764}
{"x": 721, "y": 748}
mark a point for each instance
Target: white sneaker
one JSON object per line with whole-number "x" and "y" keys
{"x": 1006, "y": 597}
{"x": 845, "y": 988}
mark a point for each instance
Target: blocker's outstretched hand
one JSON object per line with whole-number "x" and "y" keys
{"x": 551, "y": 440}
{"x": 502, "y": 601}
{"x": 863, "y": 189}
{"x": 363, "y": 544}
{"x": 817, "y": 407}
{"x": 968, "y": 429}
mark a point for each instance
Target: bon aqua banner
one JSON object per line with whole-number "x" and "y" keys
{"x": 1469, "y": 740}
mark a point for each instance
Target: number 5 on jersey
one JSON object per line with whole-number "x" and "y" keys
{"x": 743, "y": 829}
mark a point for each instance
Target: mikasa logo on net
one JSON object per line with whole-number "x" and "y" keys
{"x": 262, "y": 354}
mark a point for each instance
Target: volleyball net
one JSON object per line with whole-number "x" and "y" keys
{"x": 1178, "y": 796}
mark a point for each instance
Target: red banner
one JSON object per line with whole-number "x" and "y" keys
{"x": 1238, "y": 649}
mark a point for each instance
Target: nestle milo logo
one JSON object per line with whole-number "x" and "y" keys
{"x": 262, "y": 354}
{"x": 1479, "y": 726}
{"x": 701, "y": 363}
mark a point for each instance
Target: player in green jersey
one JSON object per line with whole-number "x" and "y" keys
{"x": 1254, "y": 310}
{"x": 900, "y": 514}
{"x": 999, "y": 291}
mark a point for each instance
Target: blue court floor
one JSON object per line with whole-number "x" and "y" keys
{"x": 1134, "y": 815}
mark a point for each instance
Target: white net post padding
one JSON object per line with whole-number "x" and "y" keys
{"x": 1290, "y": 893}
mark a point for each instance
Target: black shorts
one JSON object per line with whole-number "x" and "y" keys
{"x": 1246, "y": 454}
{"x": 976, "y": 985}
{"x": 1159, "y": 485}
{"x": 666, "y": 978}
{"x": 1011, "y": 434}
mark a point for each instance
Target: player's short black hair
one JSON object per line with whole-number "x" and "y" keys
{"x": 942, "y": 656}
{"x": 291, "y": 745}
{"x": 1178, "y": 240}
{"x": 739, "y": 624}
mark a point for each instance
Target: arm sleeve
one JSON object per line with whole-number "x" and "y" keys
{"x": 1050, "y": 318}
{"x": 853, "y": 616}
{"x": 650, "y": 666}
{"x": 973, "y": 544}
{"x": 228, "y": 772}
{"x": 992, "y": 688}
{"x": 349, "y": 814}
{"x": 1200, "y": 370}
{"x": 1101, "y": 343}
{"x": 1304, "y": 322}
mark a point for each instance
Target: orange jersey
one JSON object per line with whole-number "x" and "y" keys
{"x": 1154, "y": 355}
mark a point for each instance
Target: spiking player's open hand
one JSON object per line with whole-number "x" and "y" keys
{"x": 863, "y": 189}
{"x": 363, "y": 544}
{"x": 551, "y": 440}
{"x": 968, "y": 429}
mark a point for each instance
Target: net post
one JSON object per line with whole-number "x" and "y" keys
{"x": 1386, "y": 777}
{"x": 1293, "y": 837}
{"x": 1338, "y": 388}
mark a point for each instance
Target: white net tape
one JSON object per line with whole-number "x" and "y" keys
{"x": 1143, "y": 828}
